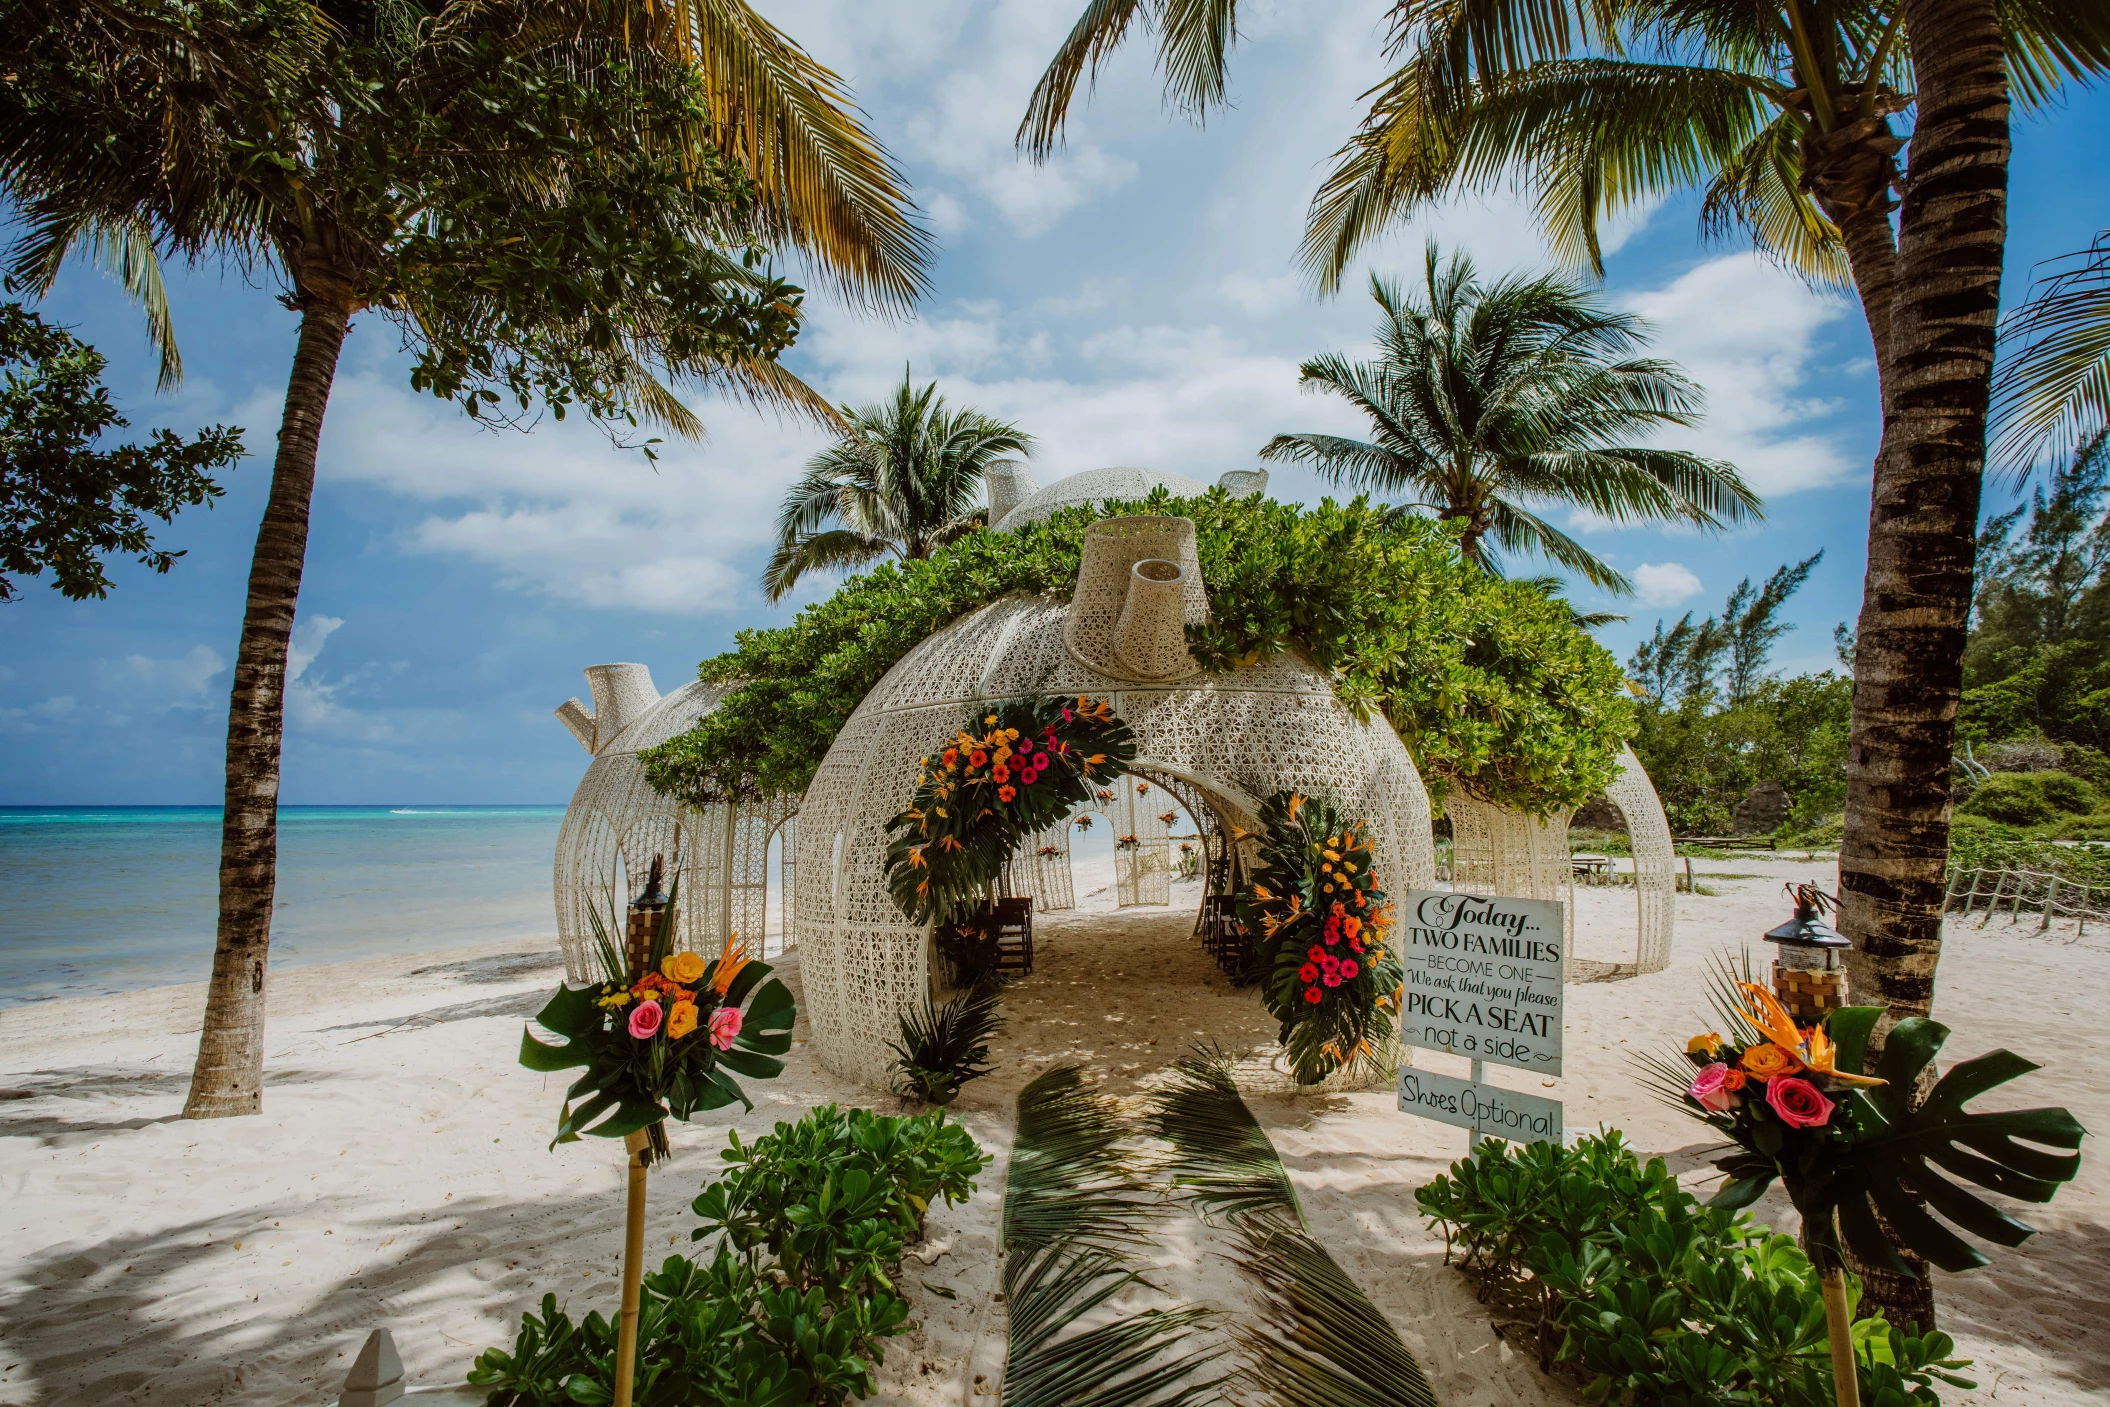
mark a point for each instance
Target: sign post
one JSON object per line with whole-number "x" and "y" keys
{"x": 1485, "y": 977}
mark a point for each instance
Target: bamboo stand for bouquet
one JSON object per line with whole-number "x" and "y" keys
{"x": 634, "y": 1273}
{"x": 1846, "y": 1375}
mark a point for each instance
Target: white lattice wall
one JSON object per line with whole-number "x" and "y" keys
{"x": 1495, "y": 850}
{"x": 1655, "y": 861}
{"x": 616, "y": 823}
{"x": 1236, "y": 737}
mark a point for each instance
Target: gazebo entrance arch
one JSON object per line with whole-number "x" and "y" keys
{"x": 1234, "y": 738}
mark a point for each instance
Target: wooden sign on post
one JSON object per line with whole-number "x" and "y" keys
{"x": 1484, "y": 977}
{"x": 1487, "y": 1110}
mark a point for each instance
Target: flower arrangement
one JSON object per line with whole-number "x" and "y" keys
{"x": 1319, "y": 922}
{"x": 1001, "y": 777}
{"x": 1856, "y": 1149}
{"x": 657, "y": 1037}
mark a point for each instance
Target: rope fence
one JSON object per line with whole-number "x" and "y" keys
{"x": 2026, "y": 891}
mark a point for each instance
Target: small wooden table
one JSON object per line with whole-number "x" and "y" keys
{"x": 1592, "y": 868}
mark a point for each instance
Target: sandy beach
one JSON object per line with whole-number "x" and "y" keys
{"x": 400, "y": 1174}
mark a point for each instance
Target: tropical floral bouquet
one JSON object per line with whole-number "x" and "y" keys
{"x": 1856, "y": 1150}
{"x": 1319, "y": 919}
{"x": 658, "y": 1038}
{"x": 1008, "y": 773}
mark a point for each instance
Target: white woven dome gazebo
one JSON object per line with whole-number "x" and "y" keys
{"x": 1014, "y": 501}
{"x": 1228, "y": 739}
{"x": 616, "y": 823}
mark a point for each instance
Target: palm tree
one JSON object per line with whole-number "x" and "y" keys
{"x": 1486, "y": 398}
{"x": 903, "y": 477}
{"x": 540, "y": 196}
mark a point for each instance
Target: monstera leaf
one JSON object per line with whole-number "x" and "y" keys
{"x": 1917, "y": 1165}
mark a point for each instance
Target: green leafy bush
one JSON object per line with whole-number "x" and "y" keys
{"x": 2030, "y": 798}
{"x": 791, "y": 1308}
{"x": 1978, "y": 843}
{"x": 1655, "y": 1298}
{"x": 1488, "y": 681}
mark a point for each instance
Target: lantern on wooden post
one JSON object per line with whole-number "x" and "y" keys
{"x": 1806, "y": 973}
{"x": 647, "y": 911}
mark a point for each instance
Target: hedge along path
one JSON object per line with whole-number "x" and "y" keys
{"x": 1488, "y": 682}
{"x": 1088, "y": 1328}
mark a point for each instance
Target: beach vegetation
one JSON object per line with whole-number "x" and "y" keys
{"x": 1647, "y": 1296}
{"x": 793, "y": 1307}
{"x": 1490, "y": 401}
{"x": 1714, "y": 720}
{"x": 1488, "y": 682}
{"x": 902, "y": 478}
{"x": 2052, "y": 392}
{"x": 68, "y": 498}
{"x": 561, "y": 210}
{"x": 943, "y": 1047}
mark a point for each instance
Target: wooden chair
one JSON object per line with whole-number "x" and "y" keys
{"x": 1014, "y": 935}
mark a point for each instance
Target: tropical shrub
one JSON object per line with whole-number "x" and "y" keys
{"x": 2030, "y": 798}
{"x": 1488, "y": 682}
{"x": 791, "y": 1308}
{"x": 1653, "y": 1297}
{"x": 1976, "y": 843}
{"x": 943, "y": 1047}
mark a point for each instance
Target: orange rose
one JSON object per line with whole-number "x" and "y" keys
{"x": 1763, "y": 1062}
{"x": 682, "y": 1021}
{"x": 1733, "y": 1080}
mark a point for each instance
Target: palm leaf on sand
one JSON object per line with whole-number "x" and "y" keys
{"x": 1075, "y": 1205}
{"x": 1324, "y": 1343}
{"x": 1220, "y": 1154}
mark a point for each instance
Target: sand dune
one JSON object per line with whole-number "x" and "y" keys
{"x": 400, "y": 1174}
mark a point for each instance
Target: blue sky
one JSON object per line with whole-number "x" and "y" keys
{"x": 1134, "y": 302}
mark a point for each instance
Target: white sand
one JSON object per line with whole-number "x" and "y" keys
{"x": 399, "y": 1175}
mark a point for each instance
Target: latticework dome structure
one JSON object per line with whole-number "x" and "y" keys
{"x": 1015, "y": 502}
{"x": 616, "y": 823}
{"x": 1221, "y": 741}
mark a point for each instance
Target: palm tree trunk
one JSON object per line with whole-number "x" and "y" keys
{"x": 1908, "y": 662}
{"x": 229, "y": 1075}
{"x": 1872, "y": 254}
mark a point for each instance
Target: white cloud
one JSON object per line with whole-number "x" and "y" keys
{"x": 182, "y": 682}
{"x": 38, "y": 717}
{"x": 1747, "y": 332}
{"x": 1664, "y": 583}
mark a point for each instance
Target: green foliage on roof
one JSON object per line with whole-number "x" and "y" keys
{"x": 1488, "y": 682}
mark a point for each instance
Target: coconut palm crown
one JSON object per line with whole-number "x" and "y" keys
{"x": 902, "y": 477}
{"x": 1488, "y": 398}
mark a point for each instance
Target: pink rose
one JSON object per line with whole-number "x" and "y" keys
{"x": 1708, "y": 1092}
{"x": 725, "y": 1024}
{"x": 1798, "y": 1102}
{"x": 645, "y": 1018}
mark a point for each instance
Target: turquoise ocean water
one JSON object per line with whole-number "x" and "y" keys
{"x": 95, "y": 900}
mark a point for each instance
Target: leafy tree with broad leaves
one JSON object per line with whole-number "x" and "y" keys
{"x": 565, "y": 206}
{"x": 903, "y": 478}
{"x": 1487, "y": 399}
{"x": 67, "y": 502}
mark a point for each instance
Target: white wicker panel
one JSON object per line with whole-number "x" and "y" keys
{"x": 1495, "y": 850}
{"x": 616, "y": 823}
{"x": 1655, "y": 858}
{"x": 1095, "y": 486}
{"x": 1235, "y": 738}
{"x": 1142, "y": 872}
{"x": 1046, "y": 879}
{"x": 1138, "y": 587}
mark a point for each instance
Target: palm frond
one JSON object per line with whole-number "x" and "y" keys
{"x": 1220, "y": 1154}
{"x": 1325, "y": 1344}
{"x": 2052, "y": 390}
{"x": 1135, "y": 1360}
{"x": 823, "y": 181}
{"x": 1073, "y": 1181}
{"x": 1194, "y": 45}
